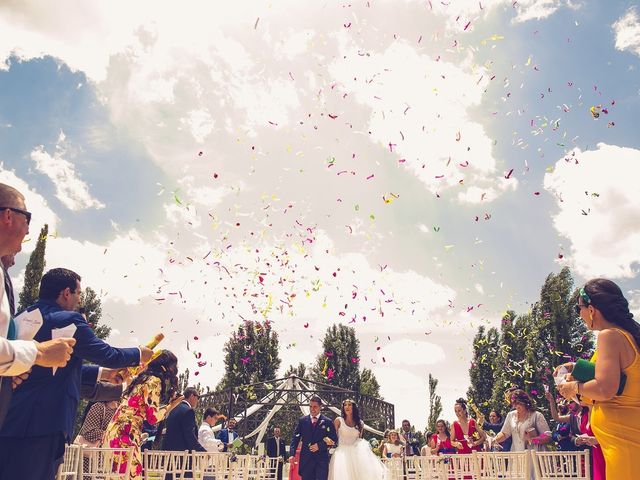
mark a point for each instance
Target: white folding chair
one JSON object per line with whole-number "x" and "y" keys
{"x": 70, "y": 464}
{"x": 105, "y": 463}
{"x": 502, "y": 465}
{"x": 269, "y": 468}
{"x": 459, "y": 466}
{"x": 562, "y": 465}
{"x": 210, "y": 465}
{"x": 247, "y": 467}
{"x": 157, "y": 463}
{"x": 395, "y": 468}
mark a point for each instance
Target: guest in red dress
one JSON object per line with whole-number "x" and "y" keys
{"x": 293, "y": 466}
{"x": 588, "y": 438}
{"x": 466, "y": 437}
{"x": 440, "y": 442}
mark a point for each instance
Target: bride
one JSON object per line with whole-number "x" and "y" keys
{"x": 353, "y": 458}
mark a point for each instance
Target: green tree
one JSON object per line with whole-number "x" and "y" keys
{"x": 485, "y": 348}
{"x": 338, "y": 364}
{"x": 33, "y": 272}
{"x": 369, "y": 384}
{"x": 435, "y": 404}
{"x": 92, "y": 306}
{"x": 251, "y": 355}
{"x": 510, "y": 354}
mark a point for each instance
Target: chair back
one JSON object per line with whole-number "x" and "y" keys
{"x": 105, "y": 463}
{"x": 208, "y": 464}
{"x": 395, "y": 468}
{"x": 429, "y": 467}
{"x": 562, "y": 465}
{"x": 70, "y": 464}
{"x": 500, "y": 465}
{"x": 459, "y": 466}
{"x": 157, "y": 463}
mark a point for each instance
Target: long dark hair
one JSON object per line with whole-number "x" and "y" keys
{"x": 164, "y": 367}
{"x": 446, "y": 427}
{"x": 607, "y": 297}
{"x": 355, "y": 412}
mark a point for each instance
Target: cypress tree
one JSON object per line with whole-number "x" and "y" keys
{"x": 33, "y": 272}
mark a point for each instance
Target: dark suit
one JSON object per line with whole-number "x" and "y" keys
{"x": 43, "y": 408}
{"x": 313, "y": 466}
{"x": 182, "y": 431}
{"x": 272, "y": 451}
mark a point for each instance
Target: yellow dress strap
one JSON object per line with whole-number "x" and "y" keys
{"x": 632, "y": 341}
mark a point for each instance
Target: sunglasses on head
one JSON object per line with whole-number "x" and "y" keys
{"x": 585, "y": 298}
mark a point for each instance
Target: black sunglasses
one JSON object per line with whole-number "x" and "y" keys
{"x": 17, "y": 210}
{"x": 578, "y": 307}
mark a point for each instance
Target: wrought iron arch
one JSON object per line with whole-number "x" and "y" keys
{"x": 253, "y": 405}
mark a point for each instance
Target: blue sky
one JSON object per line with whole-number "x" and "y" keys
{"x": 315, "y": 164}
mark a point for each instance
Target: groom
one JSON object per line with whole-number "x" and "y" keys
{"x": 312, "y": 429}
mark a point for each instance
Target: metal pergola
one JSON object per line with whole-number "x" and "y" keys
{"x": 255, "y": 404}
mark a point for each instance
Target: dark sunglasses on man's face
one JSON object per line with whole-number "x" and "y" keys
{"x": 17, "y": 210}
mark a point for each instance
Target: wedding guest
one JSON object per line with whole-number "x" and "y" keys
{"x": 426, "y": 449}
{"x": 228, "y": 435}
{"x": 394, "y": 448}
{"x": 94, "y": 425}
{"x": 615, "y": 419}
{"x": 276, "y": 449}
{"x": 524, "y": 424}
{"x": 466, "y": 436}
{"x": 441, "y": 440}
{"x": 33, "y": 438}
{"x": 493, "y": 426}
{"x": 410, "y": 439}
{"x": 206, "y": 435}
{"x": 150, "y": 397}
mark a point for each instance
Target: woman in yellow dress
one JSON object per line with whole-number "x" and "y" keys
{"x": 615, "y": 419}
{"x": 157, "y": 384}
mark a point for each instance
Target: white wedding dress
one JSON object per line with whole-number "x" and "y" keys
{"x": 353, "y": 458}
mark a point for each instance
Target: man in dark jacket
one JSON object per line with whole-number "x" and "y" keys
{"x": 276, "y": 449}
{"x": 182, "y": 431}
{"x": 43, "y": 408}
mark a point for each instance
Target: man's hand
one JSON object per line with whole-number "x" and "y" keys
{"x": 55, "y": 353}
{"x": 313, "y": 448}
{"x": 145, "y": 354}
{"x": 18, "y": 379}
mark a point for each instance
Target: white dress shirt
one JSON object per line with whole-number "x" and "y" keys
{"x": 16, "y": 356}
{"x": 207, "y": 438}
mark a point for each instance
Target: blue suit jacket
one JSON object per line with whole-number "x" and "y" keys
{"x": 182, "y": 431}
{"x": 223, "y": 436}
{"x": 47, "y": 403}
{"x": 308, "y": 435}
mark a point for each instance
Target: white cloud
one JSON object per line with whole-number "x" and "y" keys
{"x": 70, "y": 189}
{"x": 598, "y": 198}
{"x": 627, "y": 31}
{"x": 634, "y": 302}
{"x": 411, "y": 353}
{"x": 420, "y": 111}
{"x": 200, "y": 123}
{"x": 35, "y": 203}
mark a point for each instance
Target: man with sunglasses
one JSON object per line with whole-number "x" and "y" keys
{"x": 18, "y": 356}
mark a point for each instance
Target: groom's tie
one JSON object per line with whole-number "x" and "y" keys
{"x": 314, "y": 420}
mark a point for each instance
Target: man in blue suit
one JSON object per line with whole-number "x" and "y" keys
{"x": 312, "y": 429}
{"x": 228, "y": 435}
{"x": 43, "y": 408}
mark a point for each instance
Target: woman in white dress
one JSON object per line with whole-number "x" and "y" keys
{"x": 353, "y": 458}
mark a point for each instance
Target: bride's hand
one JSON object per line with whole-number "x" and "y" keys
{"x": 328, "y": 441}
